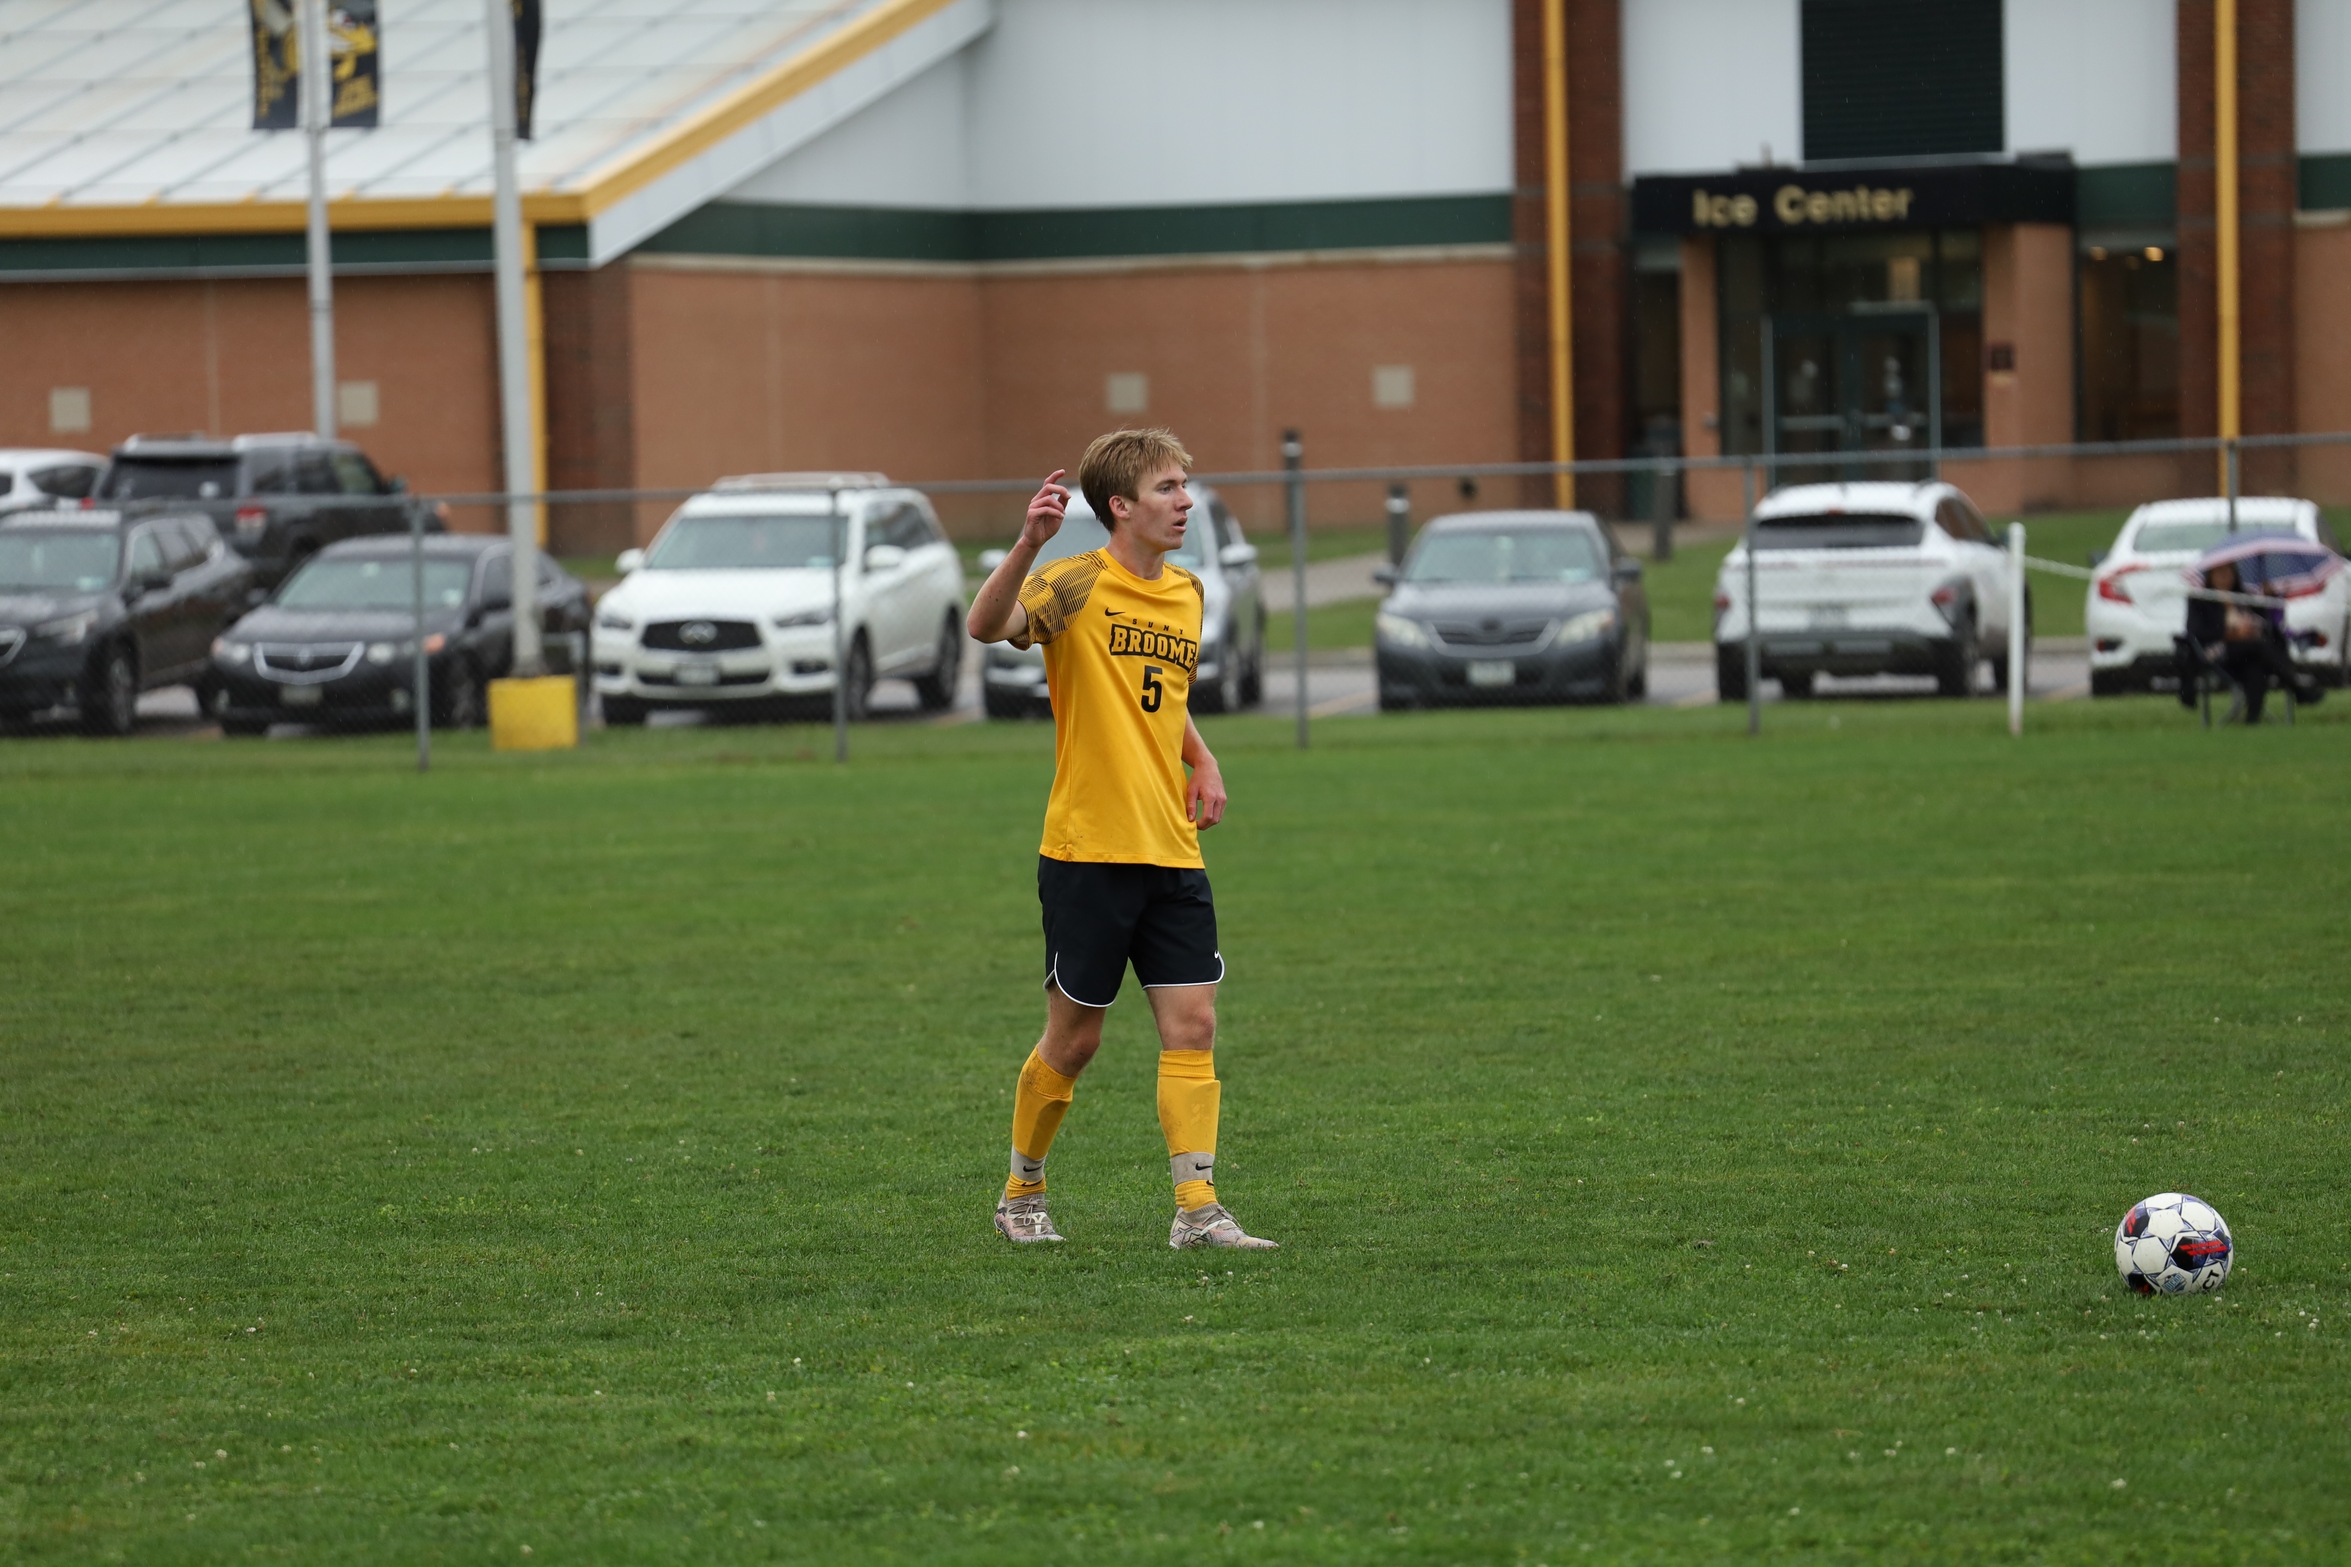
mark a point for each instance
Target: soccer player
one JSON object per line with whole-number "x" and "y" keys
{"x": 1119, "y": 872}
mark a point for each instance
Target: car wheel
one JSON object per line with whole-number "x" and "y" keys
{"x": 1730, "y": 674}
{"x": 857, "y": 684}
{"x": 110, "y": 694}
{"x": 1637, "y": 688}
{"x": 622, "y": 711}
{"x": 2108, "y": 682}
{"x": 1955, "y": 663}
{"x": 2000, "y": 667}
{"x": 244, "y": 728}
{"x": 1253, "y": 674}
{"x": 936, "y": 690}
{"x": 1796, "y": 684}
{"x": 1225, "y": 695}
{"x": 461, "y": 697}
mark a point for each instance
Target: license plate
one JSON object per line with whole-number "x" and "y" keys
{"x": 1830, "y": 617}
{"x": 1492, "y": 672}
{"x": 301, "y": 696}
{"x": 697, "y": 674}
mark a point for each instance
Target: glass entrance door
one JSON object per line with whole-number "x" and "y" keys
{"x": 1862, "y": 381}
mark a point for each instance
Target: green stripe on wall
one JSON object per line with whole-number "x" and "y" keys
{"x": 2126, "y": 196}
{"x": 875, "y": 234}
{"x": 199, "y": 253}
{"x": 2323, "y": 181}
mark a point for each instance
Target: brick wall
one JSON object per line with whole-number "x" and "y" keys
{"x": 1599, "y": 267}
{"x": 2266, "y": 199}
{"x": 233, "y": 355}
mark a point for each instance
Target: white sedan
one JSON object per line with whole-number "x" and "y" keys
{"x": 732, "y": 605}
{"x": 2138, "y": 601}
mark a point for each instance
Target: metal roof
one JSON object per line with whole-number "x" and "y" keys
{"x": 142, "y": 108}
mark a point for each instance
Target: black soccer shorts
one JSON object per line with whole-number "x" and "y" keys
{"x": 1099, "y": 917}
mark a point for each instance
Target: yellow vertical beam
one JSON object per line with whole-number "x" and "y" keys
{"x": 2224, "y": 217}
{"x": 1557, "y": 241}
{"x": 535, "y": 350}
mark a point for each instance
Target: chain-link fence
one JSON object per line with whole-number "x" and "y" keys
{"x": 1332, "y": 592}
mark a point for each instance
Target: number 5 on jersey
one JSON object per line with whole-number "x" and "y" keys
{"x": 1152, "y": 689}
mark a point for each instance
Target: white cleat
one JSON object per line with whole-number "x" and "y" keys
{"x": 1024, "y": 1221}
{"x": 1212, "y": 1226}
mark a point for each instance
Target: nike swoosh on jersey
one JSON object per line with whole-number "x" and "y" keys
{"x": 1114, "y": 612}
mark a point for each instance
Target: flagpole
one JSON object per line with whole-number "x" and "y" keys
{"x": 317, "y": 65}
{"x": 514, "y": 376}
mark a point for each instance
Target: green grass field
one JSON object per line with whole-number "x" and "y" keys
{"x": 1686, "y": 1148}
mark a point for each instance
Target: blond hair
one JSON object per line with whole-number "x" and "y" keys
{"x": 1116, "y": 463}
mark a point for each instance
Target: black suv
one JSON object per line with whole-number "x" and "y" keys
{"x": 96, "y": 606}
{"x": 279, "y": 499}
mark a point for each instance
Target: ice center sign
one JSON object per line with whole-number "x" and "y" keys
{"x": 1786, "y": 201}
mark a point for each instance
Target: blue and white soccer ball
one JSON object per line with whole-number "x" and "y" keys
{"x": 2173, "y": 1244}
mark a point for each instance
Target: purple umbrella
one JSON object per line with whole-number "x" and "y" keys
{"x": 2283, "y": 565}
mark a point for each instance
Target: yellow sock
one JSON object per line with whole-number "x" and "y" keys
{"x": 1189, "y": 1095}
{"x": 1037, "y": 1108}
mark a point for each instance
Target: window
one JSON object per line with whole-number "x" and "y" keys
{"x": 905, "y": 528}
{"x": 2130, "y": 344}
{"x": 1902, "y": 78}
{"x": 356, "y": 475}
{"x": 180, "y": 549}
{"x": 164, "y": 478}
{"x": 498, "y": 580}
{"x": 1959, "y": 519}
{"x": 314, "y": 474}
{"x": 1228, "y": 526}
{"x": 68, "y": 481}
{"x": 146, "y": 555}
{"x": 269, "y": 473}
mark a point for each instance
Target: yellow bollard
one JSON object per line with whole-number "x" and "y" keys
{"x": 534, "y": 715}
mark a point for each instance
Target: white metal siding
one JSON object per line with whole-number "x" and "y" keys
{"x": 2096, "y": 78}
{"x": 2322, "y": 75}
{"x": 1709, "y": 84}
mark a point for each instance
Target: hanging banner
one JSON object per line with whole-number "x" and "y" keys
{"x": 355, "y": 102}
{"x": 526, "y": 65}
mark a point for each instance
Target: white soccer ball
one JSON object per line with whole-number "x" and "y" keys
{"x": 2173, "y": 1244}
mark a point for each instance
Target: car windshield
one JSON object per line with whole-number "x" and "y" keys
{"x": 2166, "y": 538}
{"x": 1838, "y": 530}
{"x": 40, "y": 561}
{"x": 1080, "y": 532}
{"x": 1508, "y": 555}
{"x": 748, "y": 542}
{"x": 164, "y": 478}
{"x": 384, "y": 583}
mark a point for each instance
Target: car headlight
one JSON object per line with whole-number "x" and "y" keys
{"x": 805, "y": 617}
{"x": 230, "y": 652}
{"x": 1588, "y": 625}
{"x": 69, "y": 629}
{"x": 383, "y": 652}
{"x": 613, "y": 620}
{"x": 1402, "y": 630}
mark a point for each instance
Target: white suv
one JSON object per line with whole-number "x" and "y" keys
{"x": 731, "y": 606}
{"x": 1867, "y": 579}
{"x": 2138, "y": 601}
{"x": 40, "y": 478}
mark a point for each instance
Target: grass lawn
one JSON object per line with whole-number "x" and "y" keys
{"x": 1347, "y": 624}
{"x": 1685, "y": 1147}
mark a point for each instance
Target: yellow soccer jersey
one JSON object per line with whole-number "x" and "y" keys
{"x": 1119, "y": 656}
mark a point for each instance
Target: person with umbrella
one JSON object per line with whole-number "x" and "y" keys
{"x": 2236, "y": 615}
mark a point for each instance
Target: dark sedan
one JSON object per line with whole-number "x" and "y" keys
{"x": 96, "y": 607}
{"x": 1514, "y": 606}
{"x": 337, "y": 645}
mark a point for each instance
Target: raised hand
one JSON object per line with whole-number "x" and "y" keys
{"x": 1046, "y": 510}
